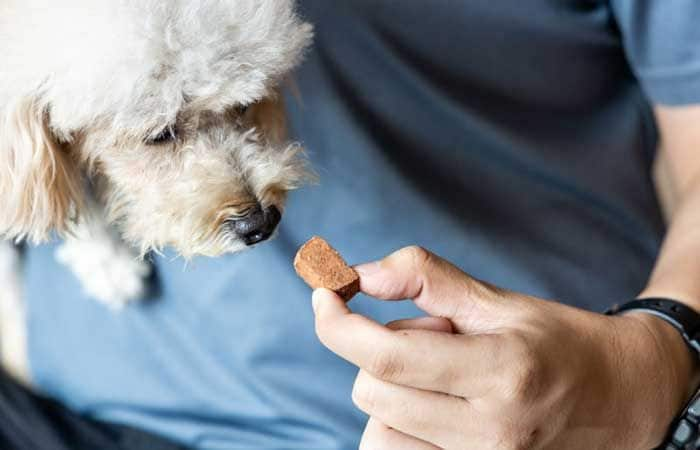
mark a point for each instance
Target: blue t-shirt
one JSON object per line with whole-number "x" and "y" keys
{"x": 514, "y": 138}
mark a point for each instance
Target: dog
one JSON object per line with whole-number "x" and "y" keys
{"x": 129, "y": 126}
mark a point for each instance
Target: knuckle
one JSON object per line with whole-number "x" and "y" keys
{"x": 451, "y": 380}
{"x": 525, "y": 378}
{"x": 416, "y": 256}
{"x": 510, "y": 436}
{"x": 386, "y": 365}
{"x": 529, "y": 438}
{"x": 363, "y": 395}
{"x": 526, "y": 440}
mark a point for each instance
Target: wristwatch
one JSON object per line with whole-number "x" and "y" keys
{"x": 683, "y": 434}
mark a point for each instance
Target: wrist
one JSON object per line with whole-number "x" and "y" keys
{"x": 667, "y": 370}
{"x": 679, "y": 357}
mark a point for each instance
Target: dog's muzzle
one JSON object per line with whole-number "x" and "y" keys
{"x": 257, "y": 225}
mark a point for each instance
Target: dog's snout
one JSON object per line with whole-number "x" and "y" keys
{"x": 257, "y": 226}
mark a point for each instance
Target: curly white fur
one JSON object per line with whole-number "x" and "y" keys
{"x": 134, "y": 63}
{"x": 81, "y": 92}
{"x": 85, "y": 86}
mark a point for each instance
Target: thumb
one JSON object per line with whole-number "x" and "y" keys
{"x": 436, "y": 286}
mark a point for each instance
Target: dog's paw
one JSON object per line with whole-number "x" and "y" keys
{"x": 109, "y": 271}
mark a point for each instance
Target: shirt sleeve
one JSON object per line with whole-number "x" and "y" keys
{"x": 662, "y": 42}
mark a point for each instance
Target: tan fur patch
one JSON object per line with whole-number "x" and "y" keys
{"x": 40, "y": 186}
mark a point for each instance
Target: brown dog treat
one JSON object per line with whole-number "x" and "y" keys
{"x": 321, "y": 266}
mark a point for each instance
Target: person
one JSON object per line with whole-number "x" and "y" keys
{"x": 515, "y": 140}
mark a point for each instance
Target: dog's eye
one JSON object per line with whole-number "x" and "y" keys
{"x": 167, "y": 135}
{"x": 242, "y": 109}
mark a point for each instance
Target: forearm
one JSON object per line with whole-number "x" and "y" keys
{"x": 677, "y": 271}
{"x": 676, "y": 276}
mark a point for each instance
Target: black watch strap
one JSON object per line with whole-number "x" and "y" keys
{"x": 683, "y": 434}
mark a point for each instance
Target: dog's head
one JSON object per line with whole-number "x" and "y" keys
{"x": 166, "y": 111}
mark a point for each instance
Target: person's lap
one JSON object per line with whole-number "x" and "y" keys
{"x": 31, "y": 422}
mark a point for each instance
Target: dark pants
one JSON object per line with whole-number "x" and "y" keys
{"x": 32, "y": 422}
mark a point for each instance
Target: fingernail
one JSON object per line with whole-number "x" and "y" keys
{"x": 368, "y": 269}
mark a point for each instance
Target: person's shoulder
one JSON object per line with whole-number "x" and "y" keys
{"x": 662, "y": 42}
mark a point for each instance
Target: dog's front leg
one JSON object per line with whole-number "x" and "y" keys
{"x": 110, "y": 271}
{"x": 13, "y": 342}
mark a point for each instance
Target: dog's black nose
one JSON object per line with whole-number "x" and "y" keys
{"x": 257, "y": 225}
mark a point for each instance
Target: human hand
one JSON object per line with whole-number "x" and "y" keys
{"x": 494, "y": 369}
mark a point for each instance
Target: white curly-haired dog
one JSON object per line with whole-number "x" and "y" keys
{"x": 131, "y": 125}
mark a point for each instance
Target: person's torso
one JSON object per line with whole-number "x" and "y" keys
{"x": 509, "y": 137}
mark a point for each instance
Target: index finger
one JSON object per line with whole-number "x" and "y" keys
{"x": 423, "y": 359}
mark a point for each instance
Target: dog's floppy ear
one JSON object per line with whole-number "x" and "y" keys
{"x": 40, "y": 185}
